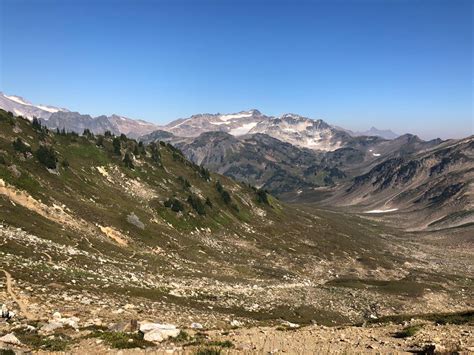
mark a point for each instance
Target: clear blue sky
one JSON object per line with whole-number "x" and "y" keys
{"x": 405, "y": 65}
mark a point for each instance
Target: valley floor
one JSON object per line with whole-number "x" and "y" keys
{"x": 304, "y": 317}
{"x": 428, "y": 338}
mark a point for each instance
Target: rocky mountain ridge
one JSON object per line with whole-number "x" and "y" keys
{"x": 61, "y": 118}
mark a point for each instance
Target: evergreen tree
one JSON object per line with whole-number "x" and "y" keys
{"x": 127, "y": 160}
{"x": 155, "y": 153}
{"x": 46, "y": 156}
{"x": 88, "y": 134}
{"x": 36, "y": 124}
{"x": 136, "y": 152}
{"x": 262, "y": 196}
{"x": 224, "y": 194}
{"x": 21, "y": 146}
{"x": 100, "y": 141}
{"x": 174, "y": 204}
{"x": 117, "y": 146}
{"x": 196, "y": 204}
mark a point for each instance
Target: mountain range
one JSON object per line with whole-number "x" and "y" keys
{"x": 113, "y": 242}
{"x": 292, "y": 128}
{"x": 300, "y": 159}
{"x": 60, "y": 118}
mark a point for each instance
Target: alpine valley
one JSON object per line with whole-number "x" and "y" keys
{"x": 236, "y": 232}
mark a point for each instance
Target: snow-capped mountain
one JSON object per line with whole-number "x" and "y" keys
{"x": 300, "y": 131}
{"x": 297, "y": 130}
{"x": 236, "y": 124}
{"x": 54, "y": 117}
{"x": 21, "y": 107}
{"x": 303, "y": 132}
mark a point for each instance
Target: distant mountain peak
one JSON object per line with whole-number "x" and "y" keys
{"x": 373, "y": 131}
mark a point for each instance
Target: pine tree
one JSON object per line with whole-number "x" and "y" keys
{"x": 36, "y": 124}
{"x": 46, "y": 156}
{"x": 127, "y": 160}
{"x": 117, "y": 146}
{"x": 100, "y": 141}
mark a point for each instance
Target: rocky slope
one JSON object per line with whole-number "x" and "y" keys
{"x": 255, "y": 159}
{"x": 431, "y": 187}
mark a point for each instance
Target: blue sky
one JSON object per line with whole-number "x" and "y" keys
{"x": 404, "y": 65}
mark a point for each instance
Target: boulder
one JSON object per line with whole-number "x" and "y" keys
{"x": 10, "y": 339}
{"x": 157, "y": 332}
{"x": 51, "y": 326}
{"x": 196, "y": 326}
{"x": 126, "y": 326}
{"x": 236, "y": 323}
{"x": 290, "y": 325}
{"x": 59, "y": 322}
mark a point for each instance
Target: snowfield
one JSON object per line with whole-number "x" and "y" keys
{"x": 244, "y": 129}
{"x": 236, "y": 115}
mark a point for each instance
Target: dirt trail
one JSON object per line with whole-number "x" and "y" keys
{"x": 19, "y": 302}
{"x": 50, "y": 259}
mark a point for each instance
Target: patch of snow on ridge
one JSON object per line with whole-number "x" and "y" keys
{"x": 218, "y": 123}
{"x": 236, "y": 115}
{"x": 244, "y": 129}
{"x": 382, "y": 211}
{"x": 376, "y": 154}
{"x": 18, "y": 100}
{"x": 179, "y": 124}
{"x": 49, "y": 109}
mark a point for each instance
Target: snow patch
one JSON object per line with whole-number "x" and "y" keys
{"x": 236, "y": 115}
{"x": 179, "y": 124}
{"x": 376, "y": 154}
{"x": 18, "y": 100}
{"x": 244, "y": 129}
{"x": 382, "y": 211}
{"x": 47, "y": 108}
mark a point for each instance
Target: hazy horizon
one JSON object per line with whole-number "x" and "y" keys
{"x": 404, "y": 66}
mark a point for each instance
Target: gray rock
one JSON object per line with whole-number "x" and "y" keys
{"x": 132, "y": 218}
{"x": 156, "y": 332}
{"x": 10, "y": 339}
